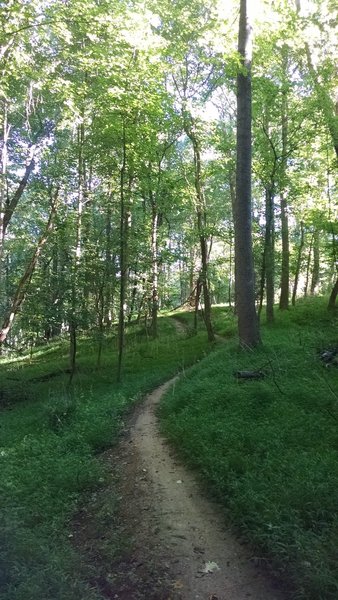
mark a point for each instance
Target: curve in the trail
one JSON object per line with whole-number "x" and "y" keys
{"x": 205, "y": 559}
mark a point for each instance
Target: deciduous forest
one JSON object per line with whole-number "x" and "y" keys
{"x": 168, "y": 205}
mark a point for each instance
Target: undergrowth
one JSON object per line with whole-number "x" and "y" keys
{"x": 51, "y": 437}
{"x": 269, "y": 448}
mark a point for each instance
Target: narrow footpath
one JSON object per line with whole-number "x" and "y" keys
{"x": 192, "y": 553}
{"x": 176, "y": 544}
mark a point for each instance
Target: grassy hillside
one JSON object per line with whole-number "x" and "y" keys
{"x": 51, "y": 436}
{"x": 269, "y": 448}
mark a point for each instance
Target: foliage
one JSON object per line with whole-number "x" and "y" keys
{"x": 268, "y": 448}
{"x": 50, "y": 442}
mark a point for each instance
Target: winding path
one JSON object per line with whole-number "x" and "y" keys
{"x": 178, "y": 534}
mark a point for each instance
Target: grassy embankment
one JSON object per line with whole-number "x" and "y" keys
{"x": 50, "y": 440}
{"x": 269, "y": 448}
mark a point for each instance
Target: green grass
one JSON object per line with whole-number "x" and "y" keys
{"x": 51, "y": 437}
{"x": 269, "y": 448}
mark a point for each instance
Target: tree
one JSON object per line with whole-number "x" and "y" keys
{"x": 25, "y": 280}
{"x": 248, "y": 327}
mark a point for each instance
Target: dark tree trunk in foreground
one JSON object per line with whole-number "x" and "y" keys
{"x": 248, "y": 327}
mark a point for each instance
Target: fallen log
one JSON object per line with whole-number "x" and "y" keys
{"x": 249, "y": 374}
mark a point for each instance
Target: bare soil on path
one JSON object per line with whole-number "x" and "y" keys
{"x": 177, "y": 532}
{"x": 179, "y": 546}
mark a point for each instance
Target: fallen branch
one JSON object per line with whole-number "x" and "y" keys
{"x": 249, "y": 374}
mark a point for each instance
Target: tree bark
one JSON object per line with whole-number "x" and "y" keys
{"x": 12, "y": 204}
{"x": 154, "y": 266}
{"x": 248, "y": 327}
{"x": 192, "y": 267}
{"x": 124, "y": 227}
{"x": 333, "y": 296}
{"x": 197, "y": 302}
{"x": 308, "y": 265}
{"x": 298, "y": 264}
{"x": 72, "y": 346}
{"x": 3, "y": 190}
{"x": 262, "y": 284}
{"x": 316, "y": 263}
{"x": 201, "y": 223}
{"x": 74, "y": 307}
{"x": 109, "y": 260}
{"x": 285, "y": 277}
{"x": 269, "y": 255}
{"x": 230, "y": 271}
{"x": 25, "y": 280}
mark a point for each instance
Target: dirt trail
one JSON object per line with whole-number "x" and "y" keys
{"x": 185, "y": 530}
{"x": 179, "y": 547}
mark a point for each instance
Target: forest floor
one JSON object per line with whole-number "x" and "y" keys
{"x": 96, "y": 503}
{"x": 177, "y": 544}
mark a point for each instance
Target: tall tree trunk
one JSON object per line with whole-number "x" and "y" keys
{"x": 248, "y": 327}
{"x": 154, "y": 250}
{"x": 133, "y": 299}
{"x": 285, "y": 277}
{"x": 124, "y": 219}
{"x": 197, "y": 302}
{"x": 333, "y": 296}
{"x": 75, "y": 303}
{"x": 72, "y": 345}
{"x": 191, "y": 273}
{"x": 3, "y": 176}
{"x": 154, "y": 268}
{"x": 100, "y": 320}
{"x": 316, "y": 263}
{"x": 3, "y": 198}
{"x": 25, "y": 280}
{"x": 108, "y": 265}
{"x": 205, "y": 280}
{"x": 183, "y": 287}
{"x": 55, "y": 300}
{"x": 232, "y": 186}
{"x": 230, "y": 272}
{"x": 262, "y": 284}
{"x": 298, "y": 264}
{"x": 285, "y": 274}
{"x": 269, "y": 255}
{"x": 201, "y": 223}
{"x": 308, "y": 265}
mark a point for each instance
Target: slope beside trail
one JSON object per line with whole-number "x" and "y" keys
{"x": 180, "y": 546}
{"x": 203, "y": 559}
